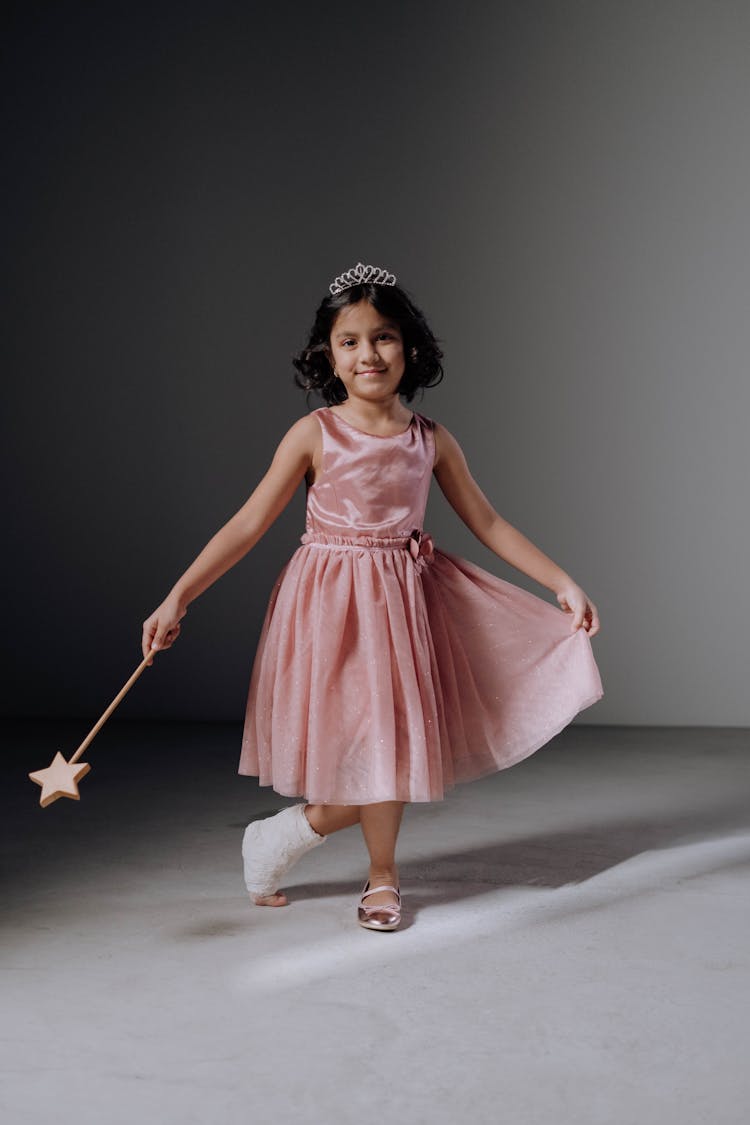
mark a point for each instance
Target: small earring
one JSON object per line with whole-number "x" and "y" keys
{"x": 413, "y": 353}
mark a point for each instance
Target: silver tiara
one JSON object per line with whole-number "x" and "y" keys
{"x": 360, "y": 275}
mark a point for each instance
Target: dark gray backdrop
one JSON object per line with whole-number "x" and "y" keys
{"x": 564, "y": 189}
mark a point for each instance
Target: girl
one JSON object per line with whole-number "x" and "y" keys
{"x": 386, "y": 670}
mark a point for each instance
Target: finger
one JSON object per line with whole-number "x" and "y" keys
{"x": 170, "y": 637}
{"x": 159, "y": 639}
{"x": 590, "y": 620}
{"x": 146, "y": 640}
{"x": 166, "y": 637}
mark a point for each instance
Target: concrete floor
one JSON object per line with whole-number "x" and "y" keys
{"x": 575, "y": 947}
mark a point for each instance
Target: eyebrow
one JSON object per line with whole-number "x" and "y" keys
{"x": 380, "y": 327}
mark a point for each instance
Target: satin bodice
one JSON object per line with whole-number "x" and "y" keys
{"x": 370, "y": 486}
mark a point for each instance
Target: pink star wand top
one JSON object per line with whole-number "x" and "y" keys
{"x": 60, "y": 779}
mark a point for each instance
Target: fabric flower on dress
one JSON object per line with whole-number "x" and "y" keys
{"x": 421, "y": 549}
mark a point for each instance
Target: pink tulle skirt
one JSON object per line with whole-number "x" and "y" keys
{"x": 383, "y": 677}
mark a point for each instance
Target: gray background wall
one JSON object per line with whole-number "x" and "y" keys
{"x": 564, "y": 188}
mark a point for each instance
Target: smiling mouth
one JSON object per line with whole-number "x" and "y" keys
{"x": 371, "y": 371}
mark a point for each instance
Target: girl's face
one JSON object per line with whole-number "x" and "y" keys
{"x": 367, "y": 352}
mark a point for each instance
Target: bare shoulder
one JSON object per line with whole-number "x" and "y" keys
{"x": 447, "y": 448}
{"x": 302, "y": 439}
{"x": 307, "y": 426}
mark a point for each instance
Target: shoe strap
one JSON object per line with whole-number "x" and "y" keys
{"x": 382, "y": 905}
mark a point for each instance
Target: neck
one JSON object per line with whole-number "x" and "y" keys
{"x": 375, "y": 413}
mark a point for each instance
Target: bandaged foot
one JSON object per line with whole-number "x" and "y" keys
{"x": 272, "y": 846}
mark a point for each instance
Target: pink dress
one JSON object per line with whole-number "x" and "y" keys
{"x": 387, "y": 669}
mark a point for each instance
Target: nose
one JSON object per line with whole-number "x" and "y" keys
{"x": 370, "y": 352}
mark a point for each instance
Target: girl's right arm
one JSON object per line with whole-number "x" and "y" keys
{"x": 297, "y": 454}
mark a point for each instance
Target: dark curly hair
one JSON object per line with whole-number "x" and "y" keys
{"x": 422, "y": 355}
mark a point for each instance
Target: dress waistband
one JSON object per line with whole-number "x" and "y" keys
{"x": 418, "y": 543}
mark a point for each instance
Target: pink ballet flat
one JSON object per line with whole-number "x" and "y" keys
{"x": 390, "y": 911}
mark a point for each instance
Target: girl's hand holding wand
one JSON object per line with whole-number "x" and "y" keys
{"x": 162, "y": 628}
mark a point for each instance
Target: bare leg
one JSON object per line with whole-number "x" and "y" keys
{"x": 380, "y": 826}
{"x": 325, "y": 819}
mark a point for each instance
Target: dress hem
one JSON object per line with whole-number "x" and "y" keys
{"x": 550, "y": 733}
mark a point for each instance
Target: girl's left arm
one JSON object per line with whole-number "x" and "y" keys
{"x": 464, "y": 495}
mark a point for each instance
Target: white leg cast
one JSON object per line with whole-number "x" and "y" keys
{"x": 272, "y": 846}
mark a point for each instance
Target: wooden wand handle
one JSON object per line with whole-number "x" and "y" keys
{"x": 118, "y": 699}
